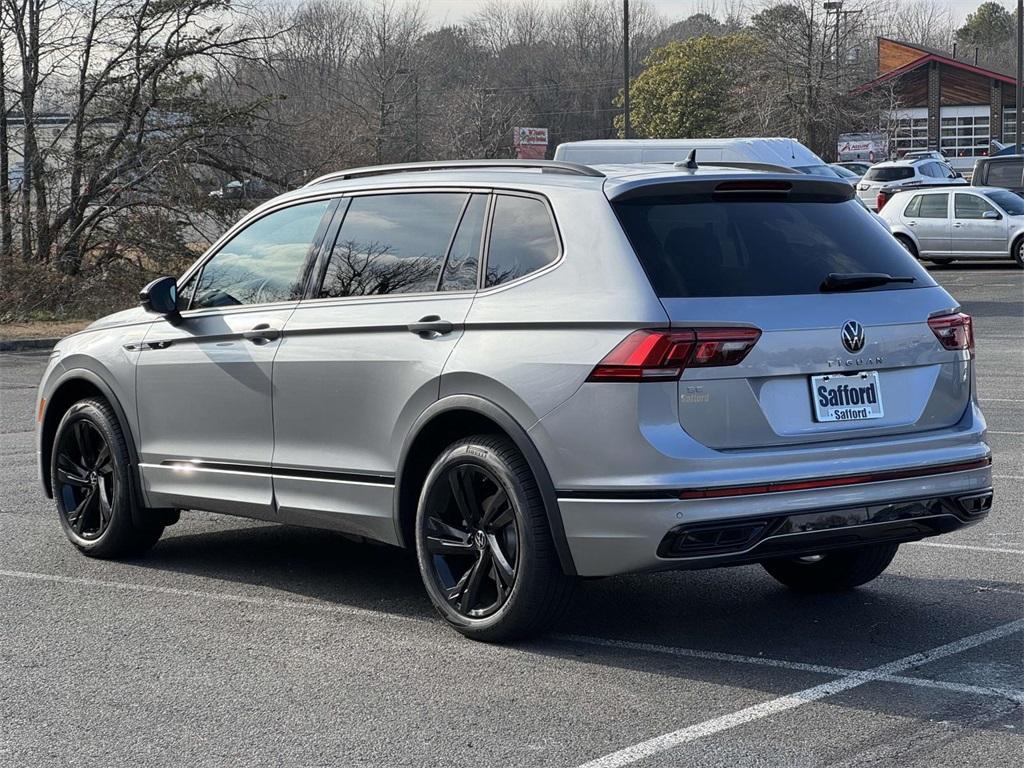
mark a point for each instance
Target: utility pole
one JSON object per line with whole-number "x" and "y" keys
{"x": 626, "y": 129}
{"x": 1020, "y": 72}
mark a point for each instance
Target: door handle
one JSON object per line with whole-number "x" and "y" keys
{"x": 262, "y": 332}
{"x": 912, "y": 223}
{"x": 957, "y": 225}
{"x": 430, "y": 325}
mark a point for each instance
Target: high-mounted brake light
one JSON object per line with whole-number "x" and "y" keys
{"x": 954, "y": 331}
{"x": 662, "y": 355}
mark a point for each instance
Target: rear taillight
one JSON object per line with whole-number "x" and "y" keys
{"x": 881, "y": 200}
{"x": 654, "y": 355}
{"x": 954, "y": 331}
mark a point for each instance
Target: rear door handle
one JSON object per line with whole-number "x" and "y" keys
{"x": 262, "y": 332}
{"x": 431, "y": 325}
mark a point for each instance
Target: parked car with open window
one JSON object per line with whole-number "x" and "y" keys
{"x": 943, "y": 225}
{"x": 533, "y": 372}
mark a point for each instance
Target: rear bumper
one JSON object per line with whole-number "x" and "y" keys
{"x": 619, "y": 534}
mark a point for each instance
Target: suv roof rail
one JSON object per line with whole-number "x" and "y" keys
{"x": 547, "y": 166}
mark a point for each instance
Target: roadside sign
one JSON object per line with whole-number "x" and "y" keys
{"x": 530, "y": 143}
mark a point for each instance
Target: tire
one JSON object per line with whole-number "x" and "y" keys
{"x": 941, "y": 262}
{"x": 833, "y": 571}
{"x": 484, "y": 546}
{"x": 1018, "y": 252}
{"x": 90, "y": 473}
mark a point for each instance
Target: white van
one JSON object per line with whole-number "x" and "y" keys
{"x": 774, "y": 151}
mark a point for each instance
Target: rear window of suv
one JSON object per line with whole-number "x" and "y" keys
{"x": 759, "y": 248}
{"x": 1005, "y": 174}
{"x": 888, "y": 174}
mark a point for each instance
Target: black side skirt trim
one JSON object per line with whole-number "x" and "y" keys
{"x": 310, "y": 474}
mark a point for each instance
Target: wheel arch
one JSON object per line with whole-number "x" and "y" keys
{"x": 450, "y": 419}
{"x": 74, "y": 385}
{"x": 902, "y": 234}
{"x": 1015, "y": 242}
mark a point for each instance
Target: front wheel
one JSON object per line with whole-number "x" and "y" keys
{"x": 91, "y": 481}
{"x": 941, "y": 262}
{"x": 833, "y": 571}
{"x": 483, "y": 543}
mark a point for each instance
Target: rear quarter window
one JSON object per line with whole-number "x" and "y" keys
{"x": 523, "y": 239}
{"x": 759, "y": 248}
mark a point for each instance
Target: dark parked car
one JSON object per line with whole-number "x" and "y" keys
{"x": 1006, "y": 171}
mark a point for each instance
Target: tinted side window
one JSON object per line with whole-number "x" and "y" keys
{"x": 461, "y": 268}
{"x": 970, "y": 207}
{"x": 522, "y": 241}
{"x": 264, "y": 262}
{"x": 392, "y": 244}
{"x": 914, "y": 209}
{"x": 929, "y": 169}
{"x": 1005, "y": 174}
{"x": 947, "y": 172}
{"x": 934, "y": 206}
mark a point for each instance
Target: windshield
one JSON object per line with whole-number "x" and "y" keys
{"x": 889, "y": 174}
{"x": 1010, "y": 202}
{"x": 759, "y": 247}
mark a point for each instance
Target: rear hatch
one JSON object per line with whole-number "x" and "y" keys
{"x": 877, "y": 179}
{"x": 836, "y": 359}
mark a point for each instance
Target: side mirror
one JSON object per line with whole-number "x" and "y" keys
{"x": 991, "y": 215}
{"x": 161, "y": 298}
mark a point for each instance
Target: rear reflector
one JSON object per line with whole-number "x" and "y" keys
{"x": 663, "y": 355}
{"x": 831, "y": 482}
{"x": 954, "y": 331}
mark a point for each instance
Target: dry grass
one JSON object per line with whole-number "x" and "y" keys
{"x": 40, "y": 329}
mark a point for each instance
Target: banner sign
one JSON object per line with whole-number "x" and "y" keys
{"x": 530, "y": 143}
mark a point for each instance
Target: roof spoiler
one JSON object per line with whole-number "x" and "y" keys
{"x": 795, "y": 187}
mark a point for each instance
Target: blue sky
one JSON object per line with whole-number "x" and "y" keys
{"x": 454, "y": 10}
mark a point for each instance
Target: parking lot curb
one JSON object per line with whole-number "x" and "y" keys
{"x": 21, "y": 345}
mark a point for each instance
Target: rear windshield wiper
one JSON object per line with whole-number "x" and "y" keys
{"x": 854, "y": 281}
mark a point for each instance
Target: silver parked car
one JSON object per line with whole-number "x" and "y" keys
{"x": 883, "y": 179}
{"x": 532, "y": 372}
{"x": 942, "y": 225}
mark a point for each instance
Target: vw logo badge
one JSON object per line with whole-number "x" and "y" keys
{"x": 853, "y": 336}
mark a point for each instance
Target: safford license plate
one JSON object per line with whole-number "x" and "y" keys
{"x": 855, "y": 397}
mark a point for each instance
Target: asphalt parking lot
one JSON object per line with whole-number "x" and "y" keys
{"x": 243, "y": 643}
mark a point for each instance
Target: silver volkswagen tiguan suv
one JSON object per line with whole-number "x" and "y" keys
{"x": 534, "y": 372}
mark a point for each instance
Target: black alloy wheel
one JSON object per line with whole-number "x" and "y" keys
{"x": 85, "y": 480}
{"x": 473, "y": 541}
{"x": 91, "y": 477}
{"x": 484, "y": 544}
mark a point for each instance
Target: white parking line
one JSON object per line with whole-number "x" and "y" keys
{"x": 1002, "y": 432}
{"x": 767, "y": 661}
{"x": 972, "y": 548}
{"x": 675, "y": 739}
{"x": 1008, "y": 477}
